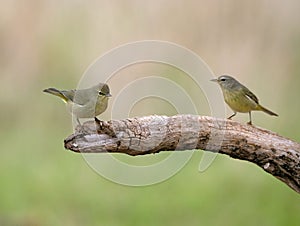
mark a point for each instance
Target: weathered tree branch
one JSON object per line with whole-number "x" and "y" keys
{"x": 276, "y": 155}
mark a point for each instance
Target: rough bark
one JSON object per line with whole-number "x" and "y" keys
{"x": 275, "y": 154}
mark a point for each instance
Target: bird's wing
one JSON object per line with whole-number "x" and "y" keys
{"x": 82, "y": 96}
{"x": 76, "y": 96}
{"x": 69, "y": 94}
{"x": 249, "y": 94}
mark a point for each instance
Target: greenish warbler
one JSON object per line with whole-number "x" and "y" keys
{"x": 84, "y": 103}
{"x": 239, "y": 98}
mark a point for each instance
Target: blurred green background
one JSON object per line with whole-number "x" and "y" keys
{"x": 51, "y": 43}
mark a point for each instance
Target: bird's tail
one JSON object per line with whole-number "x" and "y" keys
{"x": 56, "y": 92}
{"x": 266, "y": 110}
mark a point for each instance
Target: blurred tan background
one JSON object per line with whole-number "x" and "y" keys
{"x": 51, "y": 43}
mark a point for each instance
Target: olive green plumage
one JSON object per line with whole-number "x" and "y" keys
{"x": 239, "y": 98}
{"x": 84, "y": 103}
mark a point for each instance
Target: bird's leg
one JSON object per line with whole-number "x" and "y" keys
{"x": 77, "y": 119}
{"x": 250, "y": 122}
{"x": 232, "y": 115}
{"x": 81, "y": 128}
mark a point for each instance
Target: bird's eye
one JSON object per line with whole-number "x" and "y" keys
{"x": 102, "y": 94}
{"x": 222, "y": 79}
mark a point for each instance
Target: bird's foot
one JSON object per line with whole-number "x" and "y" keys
{"x": 97, "y": 120}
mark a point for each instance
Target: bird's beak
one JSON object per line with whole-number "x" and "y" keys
{"x": 214, "y": 80}
{"x": 108, "y": 95}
